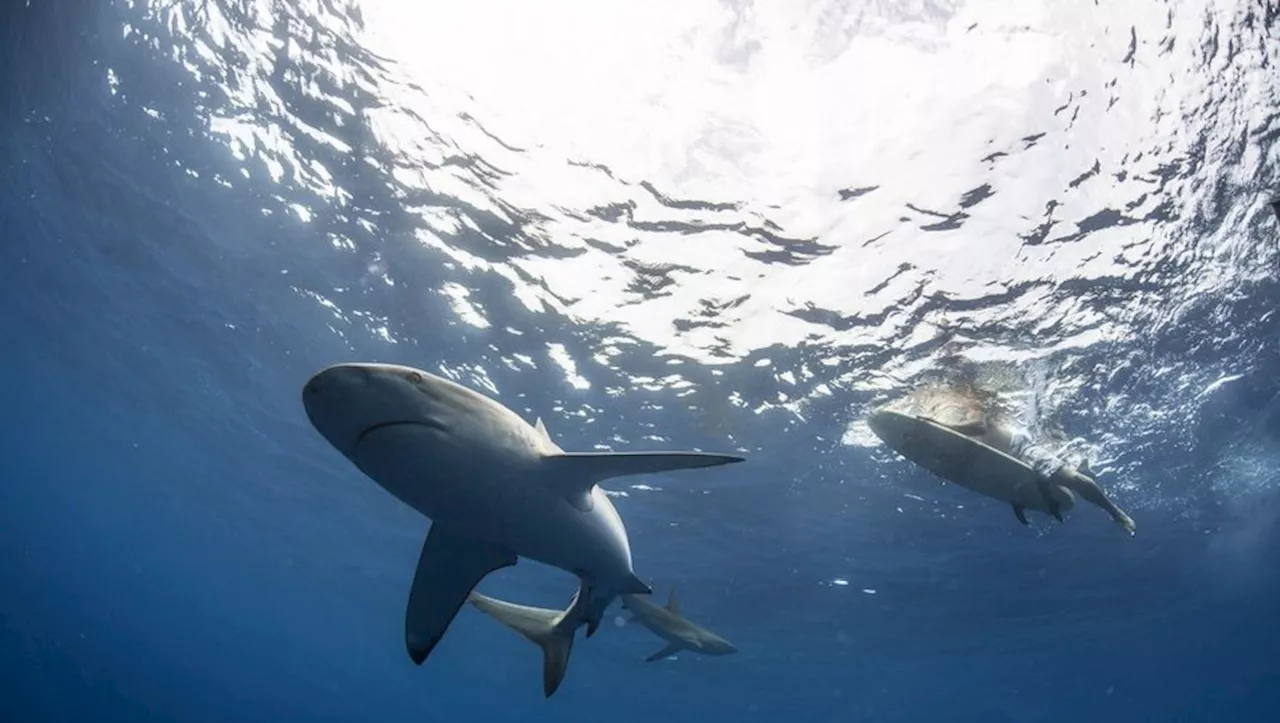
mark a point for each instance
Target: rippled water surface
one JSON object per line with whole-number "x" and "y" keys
{"x": 723, "y": 224}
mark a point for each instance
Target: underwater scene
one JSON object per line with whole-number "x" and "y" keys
{"x": 813, "y": 361}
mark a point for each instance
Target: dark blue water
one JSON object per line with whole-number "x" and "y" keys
{"x": 795, "y": 215}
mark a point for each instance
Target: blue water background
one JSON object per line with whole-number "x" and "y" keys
{"x": 176, "y": 542}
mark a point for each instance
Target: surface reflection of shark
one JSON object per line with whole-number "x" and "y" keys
{"x": 673, "y": 627}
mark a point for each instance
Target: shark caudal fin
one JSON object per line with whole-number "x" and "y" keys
{"x": 592, "y": 467}
{"x": 539, "y": 625}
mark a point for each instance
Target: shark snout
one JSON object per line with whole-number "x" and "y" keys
{"x": 720, "y": 647}
{"x": 877, "y": 421}
{"x": 344, "y": 400}
{"x": 889, "y": 427}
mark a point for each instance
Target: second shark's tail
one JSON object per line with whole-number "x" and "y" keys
{"x": 549, "y": 629}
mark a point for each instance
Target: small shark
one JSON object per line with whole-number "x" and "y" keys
{"x": 494, "y": 487}
{"x": 679, "y": 632}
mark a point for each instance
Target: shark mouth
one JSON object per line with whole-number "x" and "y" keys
{"x": 386, "y": 425}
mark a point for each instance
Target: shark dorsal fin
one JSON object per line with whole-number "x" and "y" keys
{"x": 673, "y": 602}
{"x": 1085, "y": 470}
{"x": 542, "y": 429}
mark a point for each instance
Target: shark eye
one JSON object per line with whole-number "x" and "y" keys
{"x": 414, "y": 378}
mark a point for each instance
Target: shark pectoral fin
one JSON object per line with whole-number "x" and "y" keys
{"x": 1021, "y": 513}
{"x": 666, "y": 652}
{"x": 673, "y": 603}
{"x": 543, "y": 627}
{"x": 449, "y": 567}
{"x": 581, "y": 470}
{"x": 575, "y": 473}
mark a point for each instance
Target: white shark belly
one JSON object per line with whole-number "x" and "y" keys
{"x": 494, "y": 495}
{"x": 553, "y": 532}
{"x": 420, "y": 467}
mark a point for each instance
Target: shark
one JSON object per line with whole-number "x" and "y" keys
{"x": 538, "y": 624}
{"x": 669, "y": 624}
{"x": 495, "y": 488}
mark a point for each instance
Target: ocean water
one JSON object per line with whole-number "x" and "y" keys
{"x": 728, "y": 225}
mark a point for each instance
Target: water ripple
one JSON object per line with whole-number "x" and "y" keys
{"x": 800, "y": 209}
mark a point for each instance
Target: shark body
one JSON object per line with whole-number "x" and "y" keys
{"x": 495, "y": 489}
{"x": 680, "y": 632}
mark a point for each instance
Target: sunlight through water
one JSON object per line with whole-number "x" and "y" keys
{"x": 735, "y": 226}
{"x": 780, "y": 208}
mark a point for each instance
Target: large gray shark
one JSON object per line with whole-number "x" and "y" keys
{"x": 679, "y": 632}
{"x": 495, "y": 488}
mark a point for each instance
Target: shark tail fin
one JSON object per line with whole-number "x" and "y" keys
{"x": 597, "y": 466}
{"x": 556, "y": 647}
{"x": 540, "y": 626}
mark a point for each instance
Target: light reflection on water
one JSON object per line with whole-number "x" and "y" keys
{"x": 816, "y": 203}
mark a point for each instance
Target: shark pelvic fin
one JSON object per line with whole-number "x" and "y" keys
{"x": 634, "y": 586}
{"x": 1021, "y": 513}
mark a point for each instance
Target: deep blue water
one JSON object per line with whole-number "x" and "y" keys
{"x": 201, "y": 204}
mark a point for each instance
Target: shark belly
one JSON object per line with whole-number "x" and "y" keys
{"x": 551, "y": 531}
{"x": 417, "y": 466}
{"x": 495, "y": 495}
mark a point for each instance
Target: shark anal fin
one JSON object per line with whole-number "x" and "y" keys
{"x": 542, "y": 429}
{"x": 580, "y": 470}
{"x": 449, "y": 567}
{"x": 1021, "y": 513}
{"x": 666, "y": 652}
{"x": 673, "y": 602}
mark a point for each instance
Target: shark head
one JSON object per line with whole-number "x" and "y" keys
{"x": 712, "y": 644}
{"x": 346, "y": 402}
{"x": 893, "y": 429}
